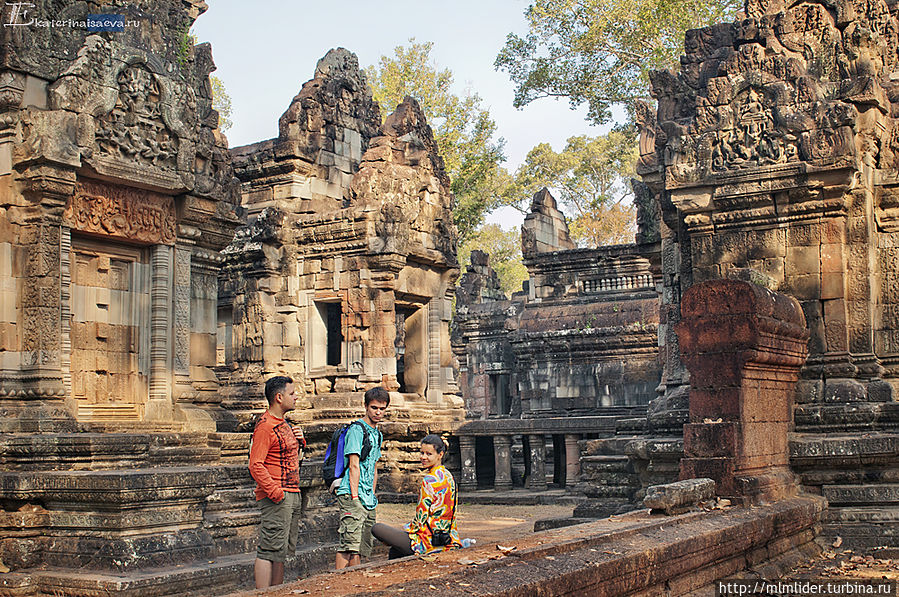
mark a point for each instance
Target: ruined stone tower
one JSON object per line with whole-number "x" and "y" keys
{"x": 344, "y": 275}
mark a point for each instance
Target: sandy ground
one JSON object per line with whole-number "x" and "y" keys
{"x": 485, "y": 523}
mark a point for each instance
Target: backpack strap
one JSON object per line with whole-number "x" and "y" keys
{"x": 366, "y": 441}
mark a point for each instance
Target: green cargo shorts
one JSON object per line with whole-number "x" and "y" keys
{"x": 278, "y": 527}
{"x": 355, "y": 526}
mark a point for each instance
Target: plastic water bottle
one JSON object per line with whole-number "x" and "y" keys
{"x": 468, "y": 542}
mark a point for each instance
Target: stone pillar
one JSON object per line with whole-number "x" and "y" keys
{"x": 537, "y": 455}
{"x": 502, "y": 450}
{"x": 159, "y": 405}
{"x": 181, "y": 318}
{"x": 744, "y": 346}
{"x": 50, "y": 188}
{"x": 469, "y": 478}
{"x": 435, "y": 377}
{"x": 33, "y": 395}
{"x": 572, "y": 459}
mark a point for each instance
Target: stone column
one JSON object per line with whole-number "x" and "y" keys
{"x": 502, "y": 451}
{"x": 744, "y": 346}
{"x": 435, "y": 377}
{"x": 159, "y": 406}
{"x": 33, "y": 396}
{"x": 469, "y": 478}
{"x": 572, "y": 459}
{"x": 181, "y": 318}
{"x": 537, "y": 455}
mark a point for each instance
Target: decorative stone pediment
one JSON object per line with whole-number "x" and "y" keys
{"x": 134, "y": 130}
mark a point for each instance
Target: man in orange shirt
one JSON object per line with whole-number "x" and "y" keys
{"x": 275, "y": 466}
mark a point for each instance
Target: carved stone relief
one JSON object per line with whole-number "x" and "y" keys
{"x": 134, "y": 131}
{"x": 123, "y": 212}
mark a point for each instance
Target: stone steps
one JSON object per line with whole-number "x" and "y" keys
{"x": 194, "y": 579}
{"x": 604, "y": 464}
{"x": 610, "y": 446}
{"x": 858, "y": 474}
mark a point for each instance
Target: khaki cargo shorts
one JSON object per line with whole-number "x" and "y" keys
{"x": 355, "y": 526}
{"x": 278, "y": 527}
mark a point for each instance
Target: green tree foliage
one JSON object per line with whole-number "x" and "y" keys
{"x": 504, "y": 248}
{"x": 221, "y": 102}
{"x": 463, "y": 128}
{"x": 589, "y": 178}
{"x": 600, "y": 52}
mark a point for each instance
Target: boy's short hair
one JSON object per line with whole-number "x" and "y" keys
{"x": 274, "y": 385}
{"x": 378, "y": 394}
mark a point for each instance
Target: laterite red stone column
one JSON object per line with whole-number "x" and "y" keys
{"x": 744, "y": 346}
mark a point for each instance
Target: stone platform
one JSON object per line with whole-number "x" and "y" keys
{"x": 635, "y": 553}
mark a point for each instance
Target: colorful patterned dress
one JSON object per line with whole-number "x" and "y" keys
{"x": 436, "y": 501}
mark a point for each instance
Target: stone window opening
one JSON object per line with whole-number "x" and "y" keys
{"x": 411, "y": 348}
{"x": 327, "y": 346}
{"x": 501, "y": 397}
{"x": 224, "y": 346}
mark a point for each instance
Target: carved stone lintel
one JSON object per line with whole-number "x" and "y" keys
{"x": 132, "y": 214}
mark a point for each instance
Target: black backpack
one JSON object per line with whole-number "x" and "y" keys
{"x": 333, "y": 466}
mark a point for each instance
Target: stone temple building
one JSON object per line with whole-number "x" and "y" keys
{"x": 148, "y": 292}
{"x": 774, "y": 149}
{"x": 571, "y": 359}
{"x": 771, "y": 158}
{"x": 117, "y": 197}
{"x": 151, "y": 279}
{"x": 343, "y": 278}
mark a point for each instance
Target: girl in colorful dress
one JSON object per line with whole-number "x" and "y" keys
{"x": 434, "y": 526}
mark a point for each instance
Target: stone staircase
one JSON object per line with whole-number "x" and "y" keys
{"x": 607, "y": 477}
{"x": 858, "y": 474}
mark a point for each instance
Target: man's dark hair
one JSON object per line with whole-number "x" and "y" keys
{"x": 436, "y": 441}
{"x": 379, "y": 394}
{"x": 274, "y": 385}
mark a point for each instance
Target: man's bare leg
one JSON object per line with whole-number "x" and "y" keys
{"x": 263, "y": 573}
{"x": 277, "y": 573}
{"x": 268, "y": 574}
{"x": 347, "y": 558}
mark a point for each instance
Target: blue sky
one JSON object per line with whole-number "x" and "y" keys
{"x": 265, "y": 50}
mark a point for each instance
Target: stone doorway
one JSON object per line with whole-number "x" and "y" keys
{"x": 412, "y": 348}
{"x": 109, "y": 329}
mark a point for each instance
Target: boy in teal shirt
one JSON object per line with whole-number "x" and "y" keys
{"x": 356, "y": 492}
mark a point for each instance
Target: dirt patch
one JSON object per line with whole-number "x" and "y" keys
{"x": 485, "y": 523}
{"x": 836, "y": 564}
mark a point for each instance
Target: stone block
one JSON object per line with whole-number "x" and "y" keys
{"x": 844, "y": 390}
{"x": 806, "y": 235}
{"x": 202, "y": 349}
{"x": 832, "y": 259}
{"x": 833, "y": 286}
{"x": 806, "y": 286}
{"x": 680, "y": 496}
{"x": 880, "y": 391}
{"x": 323, "y": 385}
{"x": 271, "y": 333}
{"x": 714, "y": 403}
{"x": 712, "y": 440}
{"x": 271, "y": 354}
{"x": 719, "y": 469}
